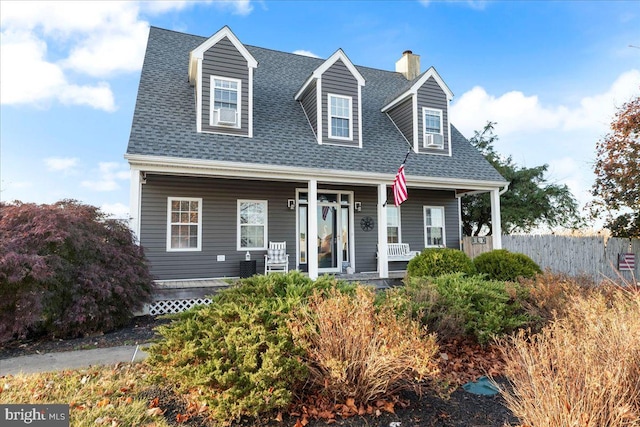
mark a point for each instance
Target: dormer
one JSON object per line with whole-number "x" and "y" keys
{"x": 421, "y": 110}
{"x": 332, "y": 101}
{"x": 221, "y": 69}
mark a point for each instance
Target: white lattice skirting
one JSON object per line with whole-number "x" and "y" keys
{"x": 175, "y": 306}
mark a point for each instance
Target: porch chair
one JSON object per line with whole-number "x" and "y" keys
{"x": 276, "y": 258}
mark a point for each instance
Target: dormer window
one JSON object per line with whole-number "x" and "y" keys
{"x": 433, "y": 136}
{"x": 225, "y": 97}
{"x": 340, "y": 117}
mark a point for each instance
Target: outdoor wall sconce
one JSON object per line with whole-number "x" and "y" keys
{"x": 291, "y": 204}
{"x": 357, "y": 206}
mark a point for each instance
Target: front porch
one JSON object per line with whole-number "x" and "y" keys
{"x": 175, "y": 296}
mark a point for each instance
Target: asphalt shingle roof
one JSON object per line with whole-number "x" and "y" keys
{"x": 164, "y": 121}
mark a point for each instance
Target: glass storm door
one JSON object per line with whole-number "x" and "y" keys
{"x": 327, "y": 238}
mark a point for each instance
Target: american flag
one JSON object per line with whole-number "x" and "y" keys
{"x": 400, "y": 187}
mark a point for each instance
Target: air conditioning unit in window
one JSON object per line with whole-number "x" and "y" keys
{"x": 227, "y": 116}
{"x": 433, "y": 140}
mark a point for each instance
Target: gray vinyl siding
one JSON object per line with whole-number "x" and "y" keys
{"x": 219, "y": 224}
{"x": 309, "y": 105}
{"x": 338, "y": 80}
{"x": 431, "y": 95}
{"x": 412, "y": 216}
{"x": 224, "y": 60}
{"x": 402, "y": 116}
{"x": 366, "y": 241}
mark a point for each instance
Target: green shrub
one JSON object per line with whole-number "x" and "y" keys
{"x": 455, "y": 305}
{"x": 501, "y": 264}
{"x": 433, "y": 262}
{"x": 238, "y": 351}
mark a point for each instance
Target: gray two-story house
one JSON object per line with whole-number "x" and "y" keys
{"x": 235, "y": 146}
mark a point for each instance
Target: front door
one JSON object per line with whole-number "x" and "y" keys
{"x": 334, "y": 224}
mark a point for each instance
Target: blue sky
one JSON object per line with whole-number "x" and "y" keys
{"x": 551, "y": 74}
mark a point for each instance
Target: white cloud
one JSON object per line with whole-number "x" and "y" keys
{"x": 23, "y": 60}
{"x": 61, "y": 164}
{"x": 517, "y": 113}
{"x": 306, "y": 53}
{"x": 109, "y": 173}
{"x": 116, "y": 210}
{"x": 563, "y": 136}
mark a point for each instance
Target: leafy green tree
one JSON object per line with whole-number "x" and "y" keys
{"x": 529, "y": 202}
{"x": 617, "y": 169}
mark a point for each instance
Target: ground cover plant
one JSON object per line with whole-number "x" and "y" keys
{"x": 238, "y": 351}
{"x": 66, "y": 270}
{"x": 438, "y": 261}
{"x": 456, "y": 305}
{"x": 500, "y": 264}
{"x": 583, "y": 368}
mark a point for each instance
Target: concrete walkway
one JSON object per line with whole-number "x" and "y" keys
{"x": 71, "y": 359}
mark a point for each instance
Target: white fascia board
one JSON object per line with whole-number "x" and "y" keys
{"x": 339, "y": 54}
{"x": 359, "y": 116}
{"x": 416, "y": 128}
{"x": 431, "y": 72}
{"x": 318, "y": 72}
{"x": 306, "y": 84}
{"x": 250, "y": 106}
{"x": 199, "y": 96}
{"x": 198, "y": 52}
{"x": 319, "y": 123}
{"x": 196, "y": 167}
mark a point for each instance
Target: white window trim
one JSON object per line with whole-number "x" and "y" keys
{"x": 212, "y": 100}
{"x": 189, "y": 199}
{"x": 399, "y": 223}
{"x": 239, "y": 226}
{"x": 424, "y": 126}
{"x": 329, "y": 127}
{"x": 444, "y": 226}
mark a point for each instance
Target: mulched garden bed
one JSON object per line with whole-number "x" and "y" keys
{"x": 459, "y": 361}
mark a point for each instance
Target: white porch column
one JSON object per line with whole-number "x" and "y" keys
{"x": 383, "y": 262}
{"x": 135, "y": 196}
{"x": 496, "y": 226}
{"x": 312, "y": 232}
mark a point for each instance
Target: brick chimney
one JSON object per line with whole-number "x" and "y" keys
{"x": 408, "y": 65}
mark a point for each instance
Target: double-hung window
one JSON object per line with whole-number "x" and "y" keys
{"x": 393, "y": 224}
{"x": 225, "y": 102}
{"x": 340, "y": 117}
{"x": 184, "y": 224}
{"x": 434, "y": 226}
{"x": 433, "y": 136}
{"x": 252, "y": 224}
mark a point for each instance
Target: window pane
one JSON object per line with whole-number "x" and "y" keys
{"x": 432, "y": 121}
{"x": 427, "y": 217}
{"x": 392, "y": 235}
{"x": 392, "y": 216}
{"x": 436, "y": 217}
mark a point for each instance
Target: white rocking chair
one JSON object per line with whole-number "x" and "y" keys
{"x": 276, "y": 259}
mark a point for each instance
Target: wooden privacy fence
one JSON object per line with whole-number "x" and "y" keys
{"x": 593, "y": 256}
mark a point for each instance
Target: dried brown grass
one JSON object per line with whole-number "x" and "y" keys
{"x": 583, "y": 369}
{"x": 359, "y": 351}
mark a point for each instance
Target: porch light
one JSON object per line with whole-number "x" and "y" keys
{"x": 357, "y": 206}
{"x": 291, "y": 204}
